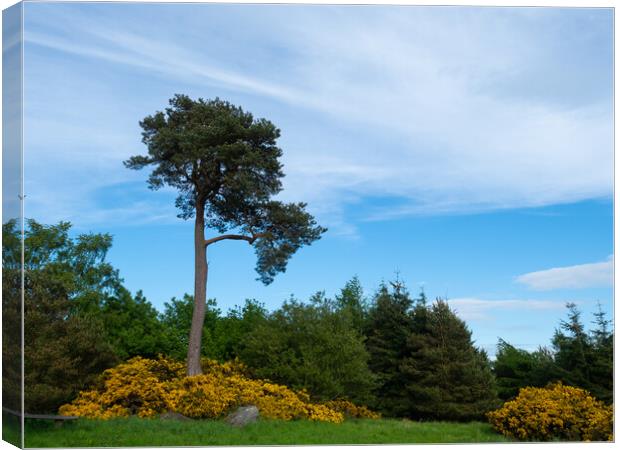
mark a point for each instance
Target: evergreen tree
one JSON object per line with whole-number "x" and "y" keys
{"x": 602, "y": 363}
{"x": 389, "y": 326}
{"x": 585, "y": 360}
{"x": 447, "y": 378}
{"x": 572, "y": 348}
{"x": 578, "y": 358}
{"x": 350, "y": 301}
{"x": 516, "y": 368}
{"x": 225, "y": 165}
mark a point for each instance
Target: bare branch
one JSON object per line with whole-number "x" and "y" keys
{"x": 234, "y": 237}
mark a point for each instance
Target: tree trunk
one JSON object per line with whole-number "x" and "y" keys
{"x": 200, "y": 294}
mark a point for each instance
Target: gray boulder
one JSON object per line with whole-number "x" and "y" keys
{"x": 243, "y": 416}
{"x": 170, "y": 415}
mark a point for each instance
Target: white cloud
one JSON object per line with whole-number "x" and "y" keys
{"x": 449, "y": 110}
{"x": 469, "y": 308}
{"x": 572, "y": 277}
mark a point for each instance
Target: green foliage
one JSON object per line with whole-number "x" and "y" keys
{"x": 515, "y": 369}
{"x": 177, "y": 321}
{"x": 578, "y": 359}
{"x": 351, "y": 302}
{"x": 224, "y": 163}
{"x": 602, "y": 361}
{"x": 425, "y": 360}
{"x": 585, "y": 360}
{"x": 132, "y": 326}
{"x": 389, "y": 325}
{"x": 65, "y": 280}
{"x": 447, "y": 378}
{"x": 11, "y": 317}
{"x": 313, "y": 347}
{"x": 572, "y": 349}
{"x": 222, "y": 337}
{"x": 228, "y": 334}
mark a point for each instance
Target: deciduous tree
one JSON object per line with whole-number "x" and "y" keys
{"x": 65, "y": 280}
{"x": 311, "y": 346}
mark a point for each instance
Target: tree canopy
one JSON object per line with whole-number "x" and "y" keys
{"x": 225, "y": 162}
{"x": 65, "y": 282}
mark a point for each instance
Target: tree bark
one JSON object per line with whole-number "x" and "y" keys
{"x": 200, "y": 293}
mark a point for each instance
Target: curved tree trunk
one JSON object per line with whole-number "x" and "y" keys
{"x": 200, "y": 294}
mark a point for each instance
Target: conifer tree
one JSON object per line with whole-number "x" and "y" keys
{"x": 225, "y": 165}
{"x": 516, "y": 368}
{"x": 585, "y": 360}
{"x": 447, "y": 378}
{"x": 350, "y": 302}
{"x": 572, "y": 348}
{"x": 602, "y": 364}
{"x": 389, "y": 325}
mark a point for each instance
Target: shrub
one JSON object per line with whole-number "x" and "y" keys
{"x": 352, "y": 410}
{"x": 552, "y": 413}
{"x": 515, "y": 368}
{"x": 313, "y": 347}
{"x": 140, "y": 386}
{"x": 147, "y": 388}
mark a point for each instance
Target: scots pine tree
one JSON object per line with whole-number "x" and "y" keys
{"x": 225, "y": 165}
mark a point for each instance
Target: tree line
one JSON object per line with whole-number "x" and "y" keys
{"x": 400, "y": 354}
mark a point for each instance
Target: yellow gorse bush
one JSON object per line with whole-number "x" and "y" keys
{"x": 350, "y": 409}
{"x": 147, "y": 388}
{"x": 555, "y": 412}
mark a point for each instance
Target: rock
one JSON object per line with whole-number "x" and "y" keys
{"x": 170, "y": 415}
{"x": 243, "y": 416}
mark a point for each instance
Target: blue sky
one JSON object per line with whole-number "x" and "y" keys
{"x": 469, "y": 149}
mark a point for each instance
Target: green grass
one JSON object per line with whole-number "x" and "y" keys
{"x": 11, "y": 429}
{"x": 155, "y": 432}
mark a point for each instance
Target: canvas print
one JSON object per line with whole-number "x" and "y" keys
{"x": 299, "y": 224}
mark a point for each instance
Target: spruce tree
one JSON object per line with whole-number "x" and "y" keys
{"x": 585, "y": 360}
{"x": 351, "y": 302}
{"x": 447, "y": 377}
{"x": 516, "y": 368}
{"x": 389, "y": 326}
{"x": 573, "y": 347}
{"x": 602, "y": 362}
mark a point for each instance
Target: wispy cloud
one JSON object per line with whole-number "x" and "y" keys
{"x": 430, "y": 107}
{"x": 469, "y": 308}
{"x": 572, "y": 277}
{"x": 165, "y": 59}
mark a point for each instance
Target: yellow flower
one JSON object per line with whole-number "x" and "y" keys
{"x": 554, "y": 412}
{"x": 147, "y": 387}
